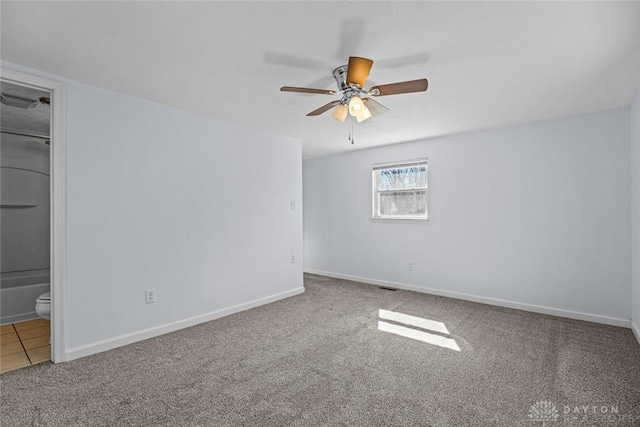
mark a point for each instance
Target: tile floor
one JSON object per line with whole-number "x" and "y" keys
{"x": 24, "y": 344}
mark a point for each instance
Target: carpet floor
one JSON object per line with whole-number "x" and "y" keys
{"x": 346, "y": 354}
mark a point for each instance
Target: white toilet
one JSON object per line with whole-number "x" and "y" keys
{"x": 43, "y": 305}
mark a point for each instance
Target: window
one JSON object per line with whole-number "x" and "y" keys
{"x": 400, "y": 190}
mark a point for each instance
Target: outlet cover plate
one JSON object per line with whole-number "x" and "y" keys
{"x": 150, "y": 296}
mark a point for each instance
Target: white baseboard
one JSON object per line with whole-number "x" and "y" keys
{"x": 111, "y": 343}
{"x": 636, "y": 330}
{"x": 483, "y": 300}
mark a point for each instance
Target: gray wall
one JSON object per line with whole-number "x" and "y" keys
{"x": 161, "y": 198}
{"x": 537, "y": 214}
{"x": 635, "y": 212}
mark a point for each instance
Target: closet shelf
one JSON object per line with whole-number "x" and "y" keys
{"x": 17, "y": 205}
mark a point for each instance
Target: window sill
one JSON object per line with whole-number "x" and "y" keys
{"x": 400, "y": 220}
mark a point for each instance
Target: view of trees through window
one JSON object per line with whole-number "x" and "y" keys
{"x": 400, "y": 190}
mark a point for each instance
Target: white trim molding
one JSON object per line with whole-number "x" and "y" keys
{"x": 636, "y": 330}
{"x": 58, "y": 187}
{"x": 483, "y": 300}
{"x": 111, "y": 343}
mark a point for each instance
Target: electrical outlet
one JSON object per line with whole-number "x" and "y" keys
{"x": 410, "y": 266}
{"x": 293, "y": 258}
{"x": 150, "y": 296}
{"x": 293, "y": 205}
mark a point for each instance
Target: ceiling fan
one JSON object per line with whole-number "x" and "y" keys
{"x": 355, "y": 99}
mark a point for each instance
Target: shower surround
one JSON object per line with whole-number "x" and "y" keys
{"x": 24, "y": 223}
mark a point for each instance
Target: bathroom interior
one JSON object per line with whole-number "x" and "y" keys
{"x": 25, "y": 299}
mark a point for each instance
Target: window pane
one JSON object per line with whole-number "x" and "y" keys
{"x": 400, "y": 178}
{"x": 403, "y": 203}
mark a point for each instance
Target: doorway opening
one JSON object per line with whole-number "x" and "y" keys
{"x": 33, "y": 219}
{"x": 25, "y": 297}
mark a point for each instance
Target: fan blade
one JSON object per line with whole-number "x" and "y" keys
{"x": 324, "y": 108}
{"x": 358, "y": 70}
{"x": 375, "y": 107}
{"x": 401, "y": 87}
{"x": 307, "y": 90}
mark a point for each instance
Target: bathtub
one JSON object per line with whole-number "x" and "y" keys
{"x": 18, "y": 296}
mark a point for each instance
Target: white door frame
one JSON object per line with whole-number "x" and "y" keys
{"x": 58, "y": 195}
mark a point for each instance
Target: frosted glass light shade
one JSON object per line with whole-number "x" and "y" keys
{"x": 355, "y": 106}
{"x": 363, "y": 114}
{"x": 340, "y": 113}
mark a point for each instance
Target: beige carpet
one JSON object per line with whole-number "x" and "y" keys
{"x": 331, "y": 357}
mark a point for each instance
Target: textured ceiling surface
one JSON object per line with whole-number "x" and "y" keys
{"x": 489, "y": 64}
{"x": 34, "y": 121}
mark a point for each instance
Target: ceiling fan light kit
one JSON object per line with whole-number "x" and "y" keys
{"x": 357, "y": 109}
{"x": 364, "y": 115}
{"x": 355, "y": 99}
{"x": 340, "y": 113}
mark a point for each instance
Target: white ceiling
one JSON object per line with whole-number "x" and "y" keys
{"x": 489, "y": 64}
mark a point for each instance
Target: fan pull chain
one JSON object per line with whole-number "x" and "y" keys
{"x": 351, "y": 130}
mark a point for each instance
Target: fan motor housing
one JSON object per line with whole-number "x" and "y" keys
{"x": 340, "y": 74}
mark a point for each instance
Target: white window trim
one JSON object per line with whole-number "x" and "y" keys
{"x": 375, "y": 194}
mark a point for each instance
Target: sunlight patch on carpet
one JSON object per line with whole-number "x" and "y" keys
{"x": 416, "y": 322}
